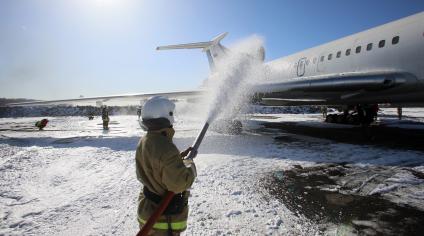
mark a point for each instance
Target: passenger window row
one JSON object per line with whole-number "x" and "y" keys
{"x": 381, "y": 44}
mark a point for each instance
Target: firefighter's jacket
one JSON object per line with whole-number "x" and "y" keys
{"x": 160, "y": 168}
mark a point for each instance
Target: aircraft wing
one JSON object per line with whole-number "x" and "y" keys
{"x": 122, "y": 99}
{"x": 343, "y": 88}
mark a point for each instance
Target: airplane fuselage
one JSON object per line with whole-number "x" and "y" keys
{"x": 382, "y": 65}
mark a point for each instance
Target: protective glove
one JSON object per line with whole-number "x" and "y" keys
{"x": 185, "y": 153}
{"x": 193, "y": 168}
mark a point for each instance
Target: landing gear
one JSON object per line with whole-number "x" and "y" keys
{"x": 355, "y": 115}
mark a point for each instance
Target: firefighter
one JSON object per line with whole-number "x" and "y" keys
{"x": 139, "y": 112}
{"x": 399, "y": 112}
{"x": 41, "y": 124}
{"x": 160, "y": 168}
{"x": 105, "y": 118}
{"x": 324, "y": 111}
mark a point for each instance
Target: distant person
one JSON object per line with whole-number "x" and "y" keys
{"x": 370, "y": 114}
{"x": 399, "y": 112}
{"x": 139, "y": 112}
{"x": 324, "y": 111}
{"x": 105, "y": 118}
{"x": 375, "y": 110}
{"x": 160, "y": 168}
{"x": 361, "y": 114}
{"x": 91, "y": 115}
{"x": 41, "y": 124}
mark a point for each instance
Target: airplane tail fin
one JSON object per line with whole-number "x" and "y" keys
{"x": 213, "y": 48}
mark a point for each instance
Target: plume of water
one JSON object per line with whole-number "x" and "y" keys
{"x": 230, "y": 85}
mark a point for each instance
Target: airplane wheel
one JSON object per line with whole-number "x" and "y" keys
{"x": 352, "y": 119}
{"x": 330, "y": 118}
{"x": 340, "y": 119}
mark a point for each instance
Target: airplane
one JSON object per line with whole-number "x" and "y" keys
{"x": 382, "y": 65}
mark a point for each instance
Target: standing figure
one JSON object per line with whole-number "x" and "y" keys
{"x": 324, "y": 111}
{"x": 399, "y": 112}
{"x": 160, "y": 168}
{"x": 375, "y": 110}
{"x": 138, "y": 112}
{"x": 105, "y": 118}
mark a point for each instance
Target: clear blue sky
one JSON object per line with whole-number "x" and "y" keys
{"x": 56, "y": 49}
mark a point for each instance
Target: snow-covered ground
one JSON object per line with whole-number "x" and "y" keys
{"x": 75, "y": 179}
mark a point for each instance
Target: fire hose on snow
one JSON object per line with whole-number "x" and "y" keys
{"x": 169, "y": 195}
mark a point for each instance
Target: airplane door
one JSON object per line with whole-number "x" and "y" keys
{"x": 301, "y": 67}
{"x": 321, "y": 63}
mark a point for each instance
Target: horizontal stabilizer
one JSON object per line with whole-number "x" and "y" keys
{"x": 185, "y": 46}
{"x": 212, "y": 48}
{"x": 203, "y": 45}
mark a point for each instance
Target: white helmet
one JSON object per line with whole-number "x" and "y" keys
{"x": 158, "y": 107}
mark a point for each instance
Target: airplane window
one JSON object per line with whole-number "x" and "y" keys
{"x": 381, "y": 43}
{"x": 339, "y": 53}
{"x": 330, "y": 56}
{"x": 369, "y": 46}
{"x": 358, "y": 49}
{"x": 348, "y": 52}
{"x": 322, "y": 58}
{"x": 395, "y": 40}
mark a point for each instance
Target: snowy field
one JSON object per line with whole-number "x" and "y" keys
{"x": 76, "y": 179}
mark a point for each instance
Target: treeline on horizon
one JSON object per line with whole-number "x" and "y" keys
{"x": 45, "y": 111}
{"x": 5, "y": 101}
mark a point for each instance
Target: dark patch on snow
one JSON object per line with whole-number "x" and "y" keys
{"x": 378, "y": 135}
{"x": 286, "y": 138}
{"x": 317, "y": 193}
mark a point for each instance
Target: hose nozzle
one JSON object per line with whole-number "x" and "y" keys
{"x": 198, "y": 141}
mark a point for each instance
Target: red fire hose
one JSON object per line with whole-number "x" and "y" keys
{"x": 155, "y": 216}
